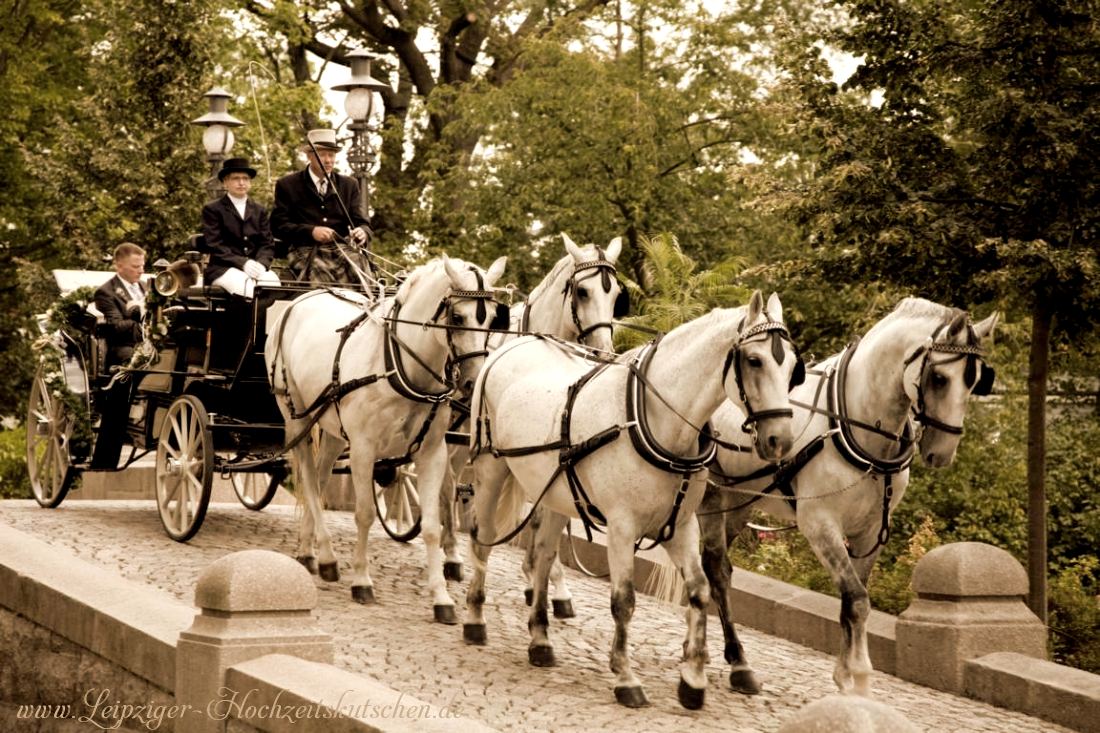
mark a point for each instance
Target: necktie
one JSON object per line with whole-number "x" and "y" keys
{"x": 322, "y": 187}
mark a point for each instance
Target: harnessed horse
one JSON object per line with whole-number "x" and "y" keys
{"x": 578, "y": 300}
{"x": 645, "y": 486}
{"x": 378, "y": 377}
{"x": 850, "y": 464}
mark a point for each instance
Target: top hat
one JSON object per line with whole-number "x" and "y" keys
{"x": 236, "y": 165}
{"x": 323, "y": 139}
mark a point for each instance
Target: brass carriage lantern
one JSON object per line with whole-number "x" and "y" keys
{"x": 360, "y": 105}
{"x": 217, "y": 138}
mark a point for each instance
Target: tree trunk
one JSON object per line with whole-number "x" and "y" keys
{"x": 1038, "y": 373}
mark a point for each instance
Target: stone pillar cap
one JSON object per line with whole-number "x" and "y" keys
{"x": 847, "y": 714}
{"x": 969, "y": 569}
{"x": 255, "y": 580}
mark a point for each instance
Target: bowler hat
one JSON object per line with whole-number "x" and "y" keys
{"x": 236, "y": 165}
{"x": 323, "y": 139}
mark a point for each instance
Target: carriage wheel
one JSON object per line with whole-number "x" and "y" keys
{"x": 256, "y": 490}
{"x": 185, "y": 468}
{"x": 398, "y": 505}
{"x": 49, "y": 427}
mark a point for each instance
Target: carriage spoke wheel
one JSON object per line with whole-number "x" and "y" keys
{"x": 185, "y": 468}
{"x": 398, "y": 505}
{"x": 255, "y": 490}
{"x": 49, "y": 428}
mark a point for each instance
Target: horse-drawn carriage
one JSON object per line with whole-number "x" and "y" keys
{"x": 196, "y": 396}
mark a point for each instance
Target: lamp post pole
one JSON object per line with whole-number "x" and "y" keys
{"x": 217, "y": 138}
{"x": 359, "y": 104}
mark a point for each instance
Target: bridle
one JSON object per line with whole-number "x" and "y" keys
{"x": 481, "y": 295}
{"x": 607, "y": 272}
{"x": 974, "y": 355}
{"x": 778, "y": 333}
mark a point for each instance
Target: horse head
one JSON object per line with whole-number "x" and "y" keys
{"x": 593, "y": 296}
{"x": 761, "y": 368}
{"x": 472, "y": 311}
{"x": 940, "y": 376}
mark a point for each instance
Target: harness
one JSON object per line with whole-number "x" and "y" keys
{"x": 606, "y": 271}
{"x": 841, "y": 425}
{"x": 637, "y": 427}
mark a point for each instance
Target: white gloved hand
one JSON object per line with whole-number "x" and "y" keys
{"x": 254, "y": 269}
{"x": 135, "y": 309}
{"x": 358, "y": 235}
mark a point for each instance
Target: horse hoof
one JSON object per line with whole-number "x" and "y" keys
{"x": 563, "y": 608}
{"x": 541, "y": 656}
{"x": 452, "y": 570}
{"x": 528, "y": 596}
{"x": 474, "y": 634}
{"x": 744, "y": 681}
{"x": 308, "y": 562}
{"x": 329, "y": 571}
{"x": 631, "y": 697}
{"x": 362, "y": 594}
{"x": 690, "y": 697}
{"x": 445, "y": 615}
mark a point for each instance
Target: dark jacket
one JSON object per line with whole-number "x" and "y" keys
{"x": 121, "y": 331}
{"x": 299, "y": 208}
{"x": 231, "y": 241}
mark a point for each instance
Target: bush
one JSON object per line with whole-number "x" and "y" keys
{"x": 14, "y": 483}
{"x": 1075, "y": 615}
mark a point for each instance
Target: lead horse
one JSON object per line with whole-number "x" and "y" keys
{"x": 380, "y": 374}
{"x": 646, "y": 486}
{"x": 850, "y": 465}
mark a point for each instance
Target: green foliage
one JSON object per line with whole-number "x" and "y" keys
{"x": 14, "y": 482}
{"x": 1075, "y": 614}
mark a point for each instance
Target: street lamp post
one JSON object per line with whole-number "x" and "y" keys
{"x": 359, "y": 104}
{"x": 217, "y": 138}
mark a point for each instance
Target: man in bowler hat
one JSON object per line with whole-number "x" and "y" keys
{"x": 238, "y": 234}
{"x": 309, "y": 219}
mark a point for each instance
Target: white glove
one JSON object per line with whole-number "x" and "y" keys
{"x": 135, "y": 309}
{"x": 358, "y": 235}
{"x": 254, "y": 269}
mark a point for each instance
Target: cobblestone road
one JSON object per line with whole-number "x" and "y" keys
{"x": 397, "y": 643}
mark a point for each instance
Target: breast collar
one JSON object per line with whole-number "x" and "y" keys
{"x": 642, "y": 438}
{"x": 840, "y": 425}
{"x": 395, "y": 369}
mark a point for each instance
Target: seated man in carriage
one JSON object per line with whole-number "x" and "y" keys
{"x": 237, "y": 234}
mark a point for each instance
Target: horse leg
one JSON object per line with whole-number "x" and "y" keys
{"x": 620, "y": 561}
{"x": 431, "y": 466}
{"x": 307, "y": 528}
{"x": 853, "y": 668}
{"x": 562, "y": 598}
{"x": 683, "y": 550}
{"x": 452, "y": 561}
{"x": 716, "y": 565}
{"x": 489, "y": 476}
{"x": 314, "y": 515}
{"x": 527, "y": 535}
{"x": 362, "y": 478}
{"x": 545, "y": 548}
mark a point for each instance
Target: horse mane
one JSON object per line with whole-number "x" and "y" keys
{"x": 913, "y": 308}
{"x": 555, "y": 271}
{"x": 420, "y": 271}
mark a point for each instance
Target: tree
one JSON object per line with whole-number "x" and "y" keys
{"x": 973, "y": 178}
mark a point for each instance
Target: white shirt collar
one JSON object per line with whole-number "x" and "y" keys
{"x": 239, "y": 203}
{"x": 316, "y": 179}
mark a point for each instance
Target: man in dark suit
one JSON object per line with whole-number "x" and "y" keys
{"x": 237, "y": 234}
{"x": 309, "y": 219}
{"x": 121, "y": 300}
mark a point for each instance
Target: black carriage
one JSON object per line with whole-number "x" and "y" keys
{"x": 199, "y": 400}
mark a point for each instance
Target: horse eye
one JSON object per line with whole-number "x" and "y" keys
{"x": 937, "y": 380}
{"x": 582, "y": 293}
{"x": 457, "y": 319}
{"x": 754, "y": 361}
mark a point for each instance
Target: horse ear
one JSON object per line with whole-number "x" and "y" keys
{"x": 572, "y": 248}
{"x": 452, "y": 272}
{"x": 984, "y": 329}
{"x": 495, "y": 271}
{"x": 958, "y": 323}
{"x": 756, "y": 304}
{"x": 614, "y": 248}
{"x": 775, "y": 307}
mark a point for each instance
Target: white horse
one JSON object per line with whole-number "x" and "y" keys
{"x": 382, "y": 375}
{"x": 851, "y": 462}
{"x": 577, "y": 301}
{"x": 645, "y": 485}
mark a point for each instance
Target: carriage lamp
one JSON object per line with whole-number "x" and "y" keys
{"x": 217, "y": 138}
{"x": 360, "y": 105}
